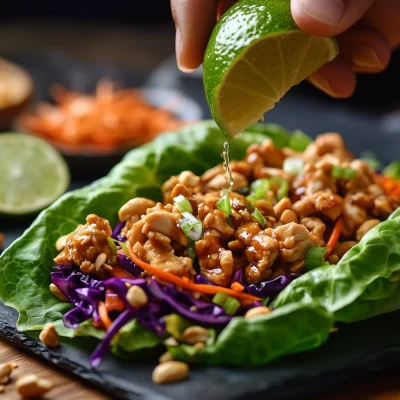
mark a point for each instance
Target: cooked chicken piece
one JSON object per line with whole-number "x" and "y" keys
{"x": 246, "y": 232}
{"x": 316, "y": 228}
{"x": 327, "y": 204}
{"x": 189, "y": 179}
{"x": 294, "y": 241}
{"x": 86, "y": 243}
{"x": 211, "y": 173}
{"x": 241, "y": 167}
{"x": 331, "y": 143}
{"x": 216, "y": 263}
{"x": 385, "y": 205}
{"x": 262, "y": 252}
{"x": 355, "y": 212}
{"x": 268, "y": 172}
{"x": 217, "y": 220}
{"x": 180, "y": 189}
{"x": 363, "y": 179}
{"x": 161, "y": 254}
{"x": 273, "y": 156}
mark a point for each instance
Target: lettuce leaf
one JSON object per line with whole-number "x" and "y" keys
{"x": 364, "y": 283}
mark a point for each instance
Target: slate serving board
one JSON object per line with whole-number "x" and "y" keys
{"x": 357, "y": 352}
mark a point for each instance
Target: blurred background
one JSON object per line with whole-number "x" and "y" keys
{"x": 78, "y": 44}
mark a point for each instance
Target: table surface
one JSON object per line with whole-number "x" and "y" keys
{"x": 129, "y": 47}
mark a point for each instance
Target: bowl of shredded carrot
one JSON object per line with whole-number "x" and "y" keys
{"x": 110, "y": 120}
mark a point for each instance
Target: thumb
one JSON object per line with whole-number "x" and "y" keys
{"x": 328, "y": 17}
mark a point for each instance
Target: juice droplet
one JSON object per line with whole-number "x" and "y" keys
{"x": 227, "y": 170}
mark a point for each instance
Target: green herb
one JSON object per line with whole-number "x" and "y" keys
{"x": 192, "y": 250}
{"x": 299, "y": 141}
{"x": 282, "y": 185}
{"x": 259, "y": 217}
{"x": 112, "y": 245}
{"x": 259, "y": 188}
{"x": 346, "y": 173}
{"x": 228, "y": 303}
{"x": 175, "y": 325}
{"x": 315, "y": 257}
{"x": 191, "y": 226}
{"x": 393, "y": 170}
{"x": 183, "y": 204}
{"x": 124, "y": 248}
{"x": 293, "y": 165}
{"x": 224, "y": 204}
{"x": 370, "y": 158}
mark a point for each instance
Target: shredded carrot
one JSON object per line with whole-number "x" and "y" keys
{"x": 195, "y": 287}
{"x": 389, "y": 185}
{"x": 107, "y": 119}
{"x": 113, "y": 302}
{"x": 119, "y": 272}
{"x": 337, "y": 230}
{"x": 237, "y": 287}
{"x": 105, "y": 319}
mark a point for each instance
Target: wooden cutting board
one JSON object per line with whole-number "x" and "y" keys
{"x": 65, "y": 388}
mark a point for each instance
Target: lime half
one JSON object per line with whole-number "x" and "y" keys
{"x": 256, "y": 53}
{"x": 32, "y": 174}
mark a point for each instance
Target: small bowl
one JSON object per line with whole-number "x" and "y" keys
{"x": 16, "y": 88}
{"x": 90, "y": 162}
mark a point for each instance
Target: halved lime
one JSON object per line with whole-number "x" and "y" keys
{"x": 32, "y": 174}
{"x": 256, "y": 53}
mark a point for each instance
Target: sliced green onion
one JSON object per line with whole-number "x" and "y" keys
{"x": 265, "y": 301}
{"x": 260, "y": 187}
{"x": 124, "y": 247}
{"x": 259, "y": 217}
{"x": 183, "y": 204}
{"x": 299, "y": 140}
{"x": 393, "y": 170}
{"x": 191, "y": 250}
{"x": 191, "y": 226}
{"x": 175, "y": 325}
{"x": 251, "y": 199}
{"x": 283, "y": 186}
{"x": 315, "y": 257}
{"x": 343, "y": 172}
{"x": 228, "y": 303}
{"x": 370, "y": 158}
{"x": 112, "y": 245}
{"x": 224, "y": 204}
{"x": 293, "y": 165}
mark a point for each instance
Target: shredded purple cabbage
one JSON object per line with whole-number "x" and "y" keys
{"x": 267, "y": 288}
{"x": 117, "y": 230}
{"x": 129, "y": 265}
{"x": 203, "y": 280}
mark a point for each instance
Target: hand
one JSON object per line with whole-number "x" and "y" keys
{"x": 367, "y": 31}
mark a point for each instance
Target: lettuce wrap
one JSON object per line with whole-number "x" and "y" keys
{"x": 363, "y": 284}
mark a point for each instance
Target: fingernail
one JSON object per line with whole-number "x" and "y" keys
{"x": 178, "y": 45}
{"x": 365, "y": 57}
{"x": 327, "y": 11}
{"x": 319, "y": 80}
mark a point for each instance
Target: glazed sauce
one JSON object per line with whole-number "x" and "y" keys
{"x": 227, "y": 170}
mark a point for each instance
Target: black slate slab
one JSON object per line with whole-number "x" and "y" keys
{"x": 356, "y": 352}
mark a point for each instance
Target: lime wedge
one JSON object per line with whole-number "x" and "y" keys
{"x": 256, "y": 53}
{"x": 32, "y": 174}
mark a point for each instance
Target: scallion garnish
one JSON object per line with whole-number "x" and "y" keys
{"x": 224, "y": 204}
{"x": 370, "y": 158}
{"x": 293, "y": 165}
{"x": 282, "y": 185}
{"x": 192, "y": 250}
{"x": 191, "y": 226}
{"x": 260, "y": 187}
{"x": 346, "y": 173}
{"x": 112, "y": 245}
{"x": 393, "y": 170}
{"x": 299, "y": 140}
{"x": 228, "y": 303}
{"x": 315, "y": 257}
{"x": 124, "y": 247}
{"x": 259, "y": 217}
{"x": 183, "y": 204}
